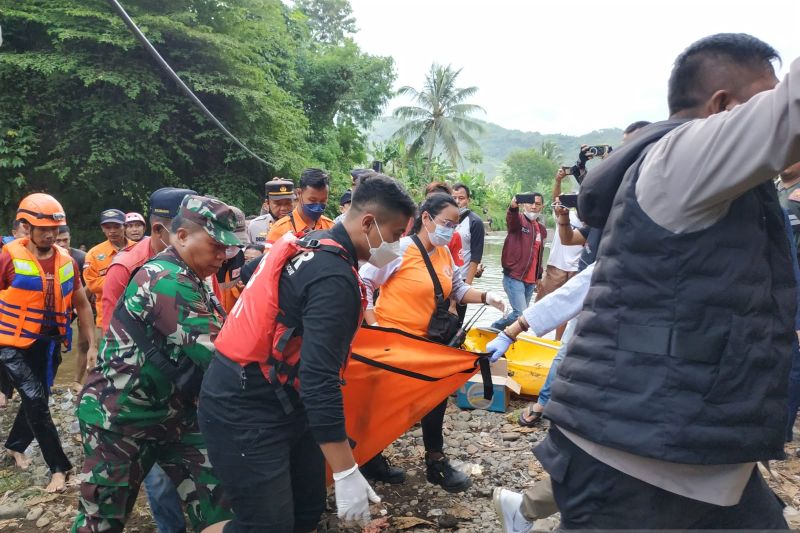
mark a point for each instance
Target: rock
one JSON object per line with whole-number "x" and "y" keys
{"x": 413, "y": 502}
{"x": 447, "y": 522}
{"x": 464, "y": 416}
{"x": 43, "y": 521}
{"x": 510, "y": 436}
{"x": 12, "y": 510}
{"x": 34, "y": 513}
{"x": 460, "y": 425}
{"x": 484, "y": 492}
{"x": 417, "y": 433}
{"x": 472, "y": 449}
{"x": 545, "y": 524}
{"x": 435, "y": 512}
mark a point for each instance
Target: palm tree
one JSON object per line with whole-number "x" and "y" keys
{"x": 439, "y": 116}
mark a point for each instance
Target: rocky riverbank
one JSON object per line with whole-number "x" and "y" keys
{"x": 493, "y": 449}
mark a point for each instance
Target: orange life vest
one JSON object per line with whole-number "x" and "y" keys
{"x": 253, "y": 331}
{"x": 22, "y": 304}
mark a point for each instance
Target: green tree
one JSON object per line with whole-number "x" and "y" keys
{"x": 88, "y": 116}
{"x": 532, "y": 170}
{"x": 441, "y": 116}
{"x": 329, "y": 20}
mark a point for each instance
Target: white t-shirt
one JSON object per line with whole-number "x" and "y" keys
{"x": 566, "y": 257}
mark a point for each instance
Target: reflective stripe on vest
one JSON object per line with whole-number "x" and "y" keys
{"x": 22, "y": 304}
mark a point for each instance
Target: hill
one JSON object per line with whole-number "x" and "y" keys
{"x": 497, "y": 142}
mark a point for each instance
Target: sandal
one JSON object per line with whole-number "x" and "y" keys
{"x": 528, "y": 417}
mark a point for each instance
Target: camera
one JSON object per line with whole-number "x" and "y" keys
{"x": 599, "y": 150}
{"x": 567, "y": 171}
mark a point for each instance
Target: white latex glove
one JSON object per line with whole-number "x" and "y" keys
{"x": 495, "y": 300}
{"x": 353, "y": 495}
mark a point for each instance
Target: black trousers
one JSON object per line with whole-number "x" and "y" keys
{"x": 432, "y": 425}
{"x": 593, "y": 495}
{"x": 27, "y": 372}
{"x": 270, "y": 466}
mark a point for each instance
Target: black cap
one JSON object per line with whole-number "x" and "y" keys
{"x": 63, "y": 229}
{"x": 279, "y": 189}
{"x": 112, "y": 216}
{"x": 346, "y": 198}
{"x": 166, "y": 202}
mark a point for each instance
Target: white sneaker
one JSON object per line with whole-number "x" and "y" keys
{"x": 506, "y": 505}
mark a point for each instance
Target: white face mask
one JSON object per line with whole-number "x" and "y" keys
{"x": 383, "y": 254}
{"x": 530, "y": 216}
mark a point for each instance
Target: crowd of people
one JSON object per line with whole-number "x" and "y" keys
{"x": 677, "y": 371}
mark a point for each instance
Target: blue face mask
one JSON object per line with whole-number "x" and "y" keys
{"x": 441, "y": 235}
{"x": 313, "y": 211}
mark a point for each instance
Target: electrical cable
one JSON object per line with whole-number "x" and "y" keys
{"x": 153, "y": 52}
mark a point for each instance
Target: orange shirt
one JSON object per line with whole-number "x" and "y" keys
{"x": 406, "y": 301}
{"x": 98, "y": 259}
{"x": 294, "y": 222}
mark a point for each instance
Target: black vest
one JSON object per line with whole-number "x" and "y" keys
{"x": 683, "y": 347}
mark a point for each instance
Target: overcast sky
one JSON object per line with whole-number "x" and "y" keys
{"x": 563, "y": 66}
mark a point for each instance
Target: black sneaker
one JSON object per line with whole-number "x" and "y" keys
{"x": 380, "y": 469}
{"x": 439, "y": 472}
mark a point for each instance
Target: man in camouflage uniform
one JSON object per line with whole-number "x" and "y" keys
{"x": 132, "y": 414}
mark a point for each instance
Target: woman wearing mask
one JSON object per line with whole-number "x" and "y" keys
{"x": 404, "y": 276}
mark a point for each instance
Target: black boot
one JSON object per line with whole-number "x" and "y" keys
{"x": 439, "y": 472}
{"x": 379, "y": 469}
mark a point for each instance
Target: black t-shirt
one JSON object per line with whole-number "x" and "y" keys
{"x": 80, "y": 257}
{"x": 320, "y": 296}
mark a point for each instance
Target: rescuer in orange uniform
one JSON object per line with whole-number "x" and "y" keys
{"x": 312, "y": 198}
{"x": 39, "y": 287}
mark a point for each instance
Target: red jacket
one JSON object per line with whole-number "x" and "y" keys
{"x": 520, "y": 249}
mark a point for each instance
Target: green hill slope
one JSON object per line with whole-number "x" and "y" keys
{"x": 497, "y": 142}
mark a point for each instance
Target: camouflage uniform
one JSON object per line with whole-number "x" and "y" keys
{"x": 133, "y": 416}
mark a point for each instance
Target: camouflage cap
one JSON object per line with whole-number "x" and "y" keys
{"x": 216, "y": 217}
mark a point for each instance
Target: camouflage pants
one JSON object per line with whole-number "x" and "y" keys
{"x": 115, "y": 465}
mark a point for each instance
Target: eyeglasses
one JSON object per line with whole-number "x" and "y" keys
{"x": 446, "y": 223}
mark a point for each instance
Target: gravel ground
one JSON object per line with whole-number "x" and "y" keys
{"x": 491, "y": 447}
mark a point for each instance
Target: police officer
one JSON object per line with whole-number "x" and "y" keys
{"x": 278, "y": 203}
{"x": 268, "y": 437}
{"x": 138, "y": 405}
{"x": 39, "y": 287}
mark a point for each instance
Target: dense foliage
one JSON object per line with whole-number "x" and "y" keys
{"x": 87, "y": 115}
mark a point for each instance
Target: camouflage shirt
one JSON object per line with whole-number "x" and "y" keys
{"x": 126, "y": 393}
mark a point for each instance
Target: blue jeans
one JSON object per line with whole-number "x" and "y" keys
{"x": 519, "y": 296}
{"x": 544, "y": 394}
{"x": 164, "y": 501}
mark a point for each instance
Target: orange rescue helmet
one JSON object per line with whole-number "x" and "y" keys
{"x": 39, "y": 209}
